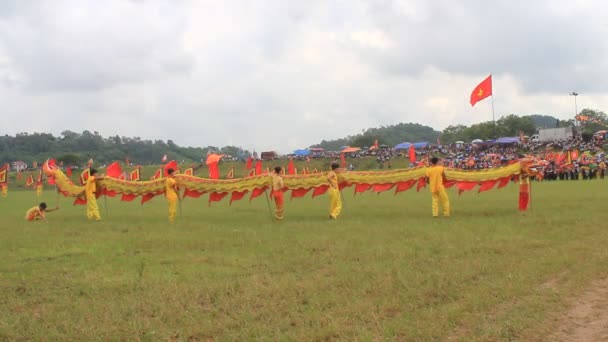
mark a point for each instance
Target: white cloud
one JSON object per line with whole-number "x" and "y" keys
{"x": 286, "y": 74}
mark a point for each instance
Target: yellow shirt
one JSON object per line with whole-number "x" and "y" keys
{"x": 91, "y": 187}
{"x": 170, "y": 187}
{"x": 277, "y": 182}
{"x": 435, "y": 175}
{"x": 332, "y": 177}
{"x": 34, "y": 213}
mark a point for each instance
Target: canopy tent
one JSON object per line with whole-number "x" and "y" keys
{"x": 350, "y": 150}
{"x": 421, "y": 144}
{"x": 343, "y": 147}
{"x": 460, "y": 142}
{"x": 477, "y": 141}
{"x": 301, "y": 153}
{"x": 316, "y": 149}
{"x": 402, "y": 146}
{"x": 507, "y": 140}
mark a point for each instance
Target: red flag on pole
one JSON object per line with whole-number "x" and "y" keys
{"x": 291, "y": 168}
{"x": 412, "y": 154}
{"x": 249, "y": 163}
{"x": 343, "y": 159}
{"x": 258, "y": 167}
{"x": 114, "y": 170}
{"x": 483, "y": 90}
{"x": 135, "y": 175}
{"x": 230, "y": 174}
{"x": 68, "y": 171}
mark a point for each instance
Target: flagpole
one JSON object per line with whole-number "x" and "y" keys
{"x": 493, "y": 119}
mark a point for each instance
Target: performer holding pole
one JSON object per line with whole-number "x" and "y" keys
{"x": 277, "y": 192}
{"x": 171, "y": 193}
{"x": 335, "y": 200}
{"x": 90, "y": 191}
{"x": 435, "y": 175}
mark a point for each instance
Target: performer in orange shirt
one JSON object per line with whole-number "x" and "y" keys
{"x": 277, "y": 192}
{"x": 171, "y": 194}
{"x": 38, "y": 212}
{"x": 335, "y": 200}
{"x": 435, "y": 175}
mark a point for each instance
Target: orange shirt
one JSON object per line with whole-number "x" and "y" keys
{"x": 34, "y": 213}
{"x": 435, "y": 175}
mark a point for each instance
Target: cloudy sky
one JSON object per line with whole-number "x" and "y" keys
{"x": 285, "y": 74}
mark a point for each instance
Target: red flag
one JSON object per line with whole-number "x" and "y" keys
{"x": 68, "y": 171}
{"x": 230, "y": 174}
{"x": 170, "y": 165}
{"x": 257, "y": 192}
{"x": 291, "y": 167}
{"x": 135, "y": 175}
{"x": 216, "y": 196}
{"x": 114, "y": 170}
{"x": 84, "y": 175}
{"x": 214, "y": 171}
{"x": 300, "y": 192}
{"x": 343, "y": 159}
{"x": 237, "y": 195}
{"x": 249, "y": 163}
{"x": 157, "y": 175}
{"x": 29, "y": 181}
{"x": 4, "y": 174}
{"x": 483, "y": 90}
{"x": 412, "y": 153}
{"x": 258, "y": 167}
{"x": 320, "y": 190}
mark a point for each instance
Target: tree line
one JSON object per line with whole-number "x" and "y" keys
{"x": 506, "y": 126}
{"x": 73, "y": 148}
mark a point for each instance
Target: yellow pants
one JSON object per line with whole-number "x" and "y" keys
{"x": 38, "y": 191}
{"x": 4, "y": 191}
{"x": 92, "y": 209}
{"x": 335, "y": 202}
{"x": 172, "y": 202}
{"x": 441, "y": 196}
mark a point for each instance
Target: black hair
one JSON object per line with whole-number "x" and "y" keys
{"x": 277, "y": 169}
{"x": 92, "y": 171}
{"x": 434, "y": 160}
{"x": 170, "y": 171}
{"x": 334, "y": 166}
{"x": 42, "y": 205}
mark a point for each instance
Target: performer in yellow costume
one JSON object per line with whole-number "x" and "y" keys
{"x": 171, "y": 193}
{"x": 277, "y": 192}
{"x": 439, "y": 195}
{"x": 4, "y": 190}
{"x": 39, "y": 189}
{"x": 335, "y": 200}
{"x": 90, "y": 191}
{"x": 38, "y": 212}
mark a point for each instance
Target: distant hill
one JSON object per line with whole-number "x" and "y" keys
{"x": 390, "y": 135}
{"x": 544, "y": 121}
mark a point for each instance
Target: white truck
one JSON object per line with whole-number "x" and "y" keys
{"x": 554, "y": 134}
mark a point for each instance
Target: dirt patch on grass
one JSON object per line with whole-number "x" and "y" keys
{"x": 587, "y": 318}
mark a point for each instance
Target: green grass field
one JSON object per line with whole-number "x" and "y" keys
{"x": 384, "y": 270}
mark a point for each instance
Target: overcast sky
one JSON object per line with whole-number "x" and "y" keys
{"x": 285, "y": 74}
